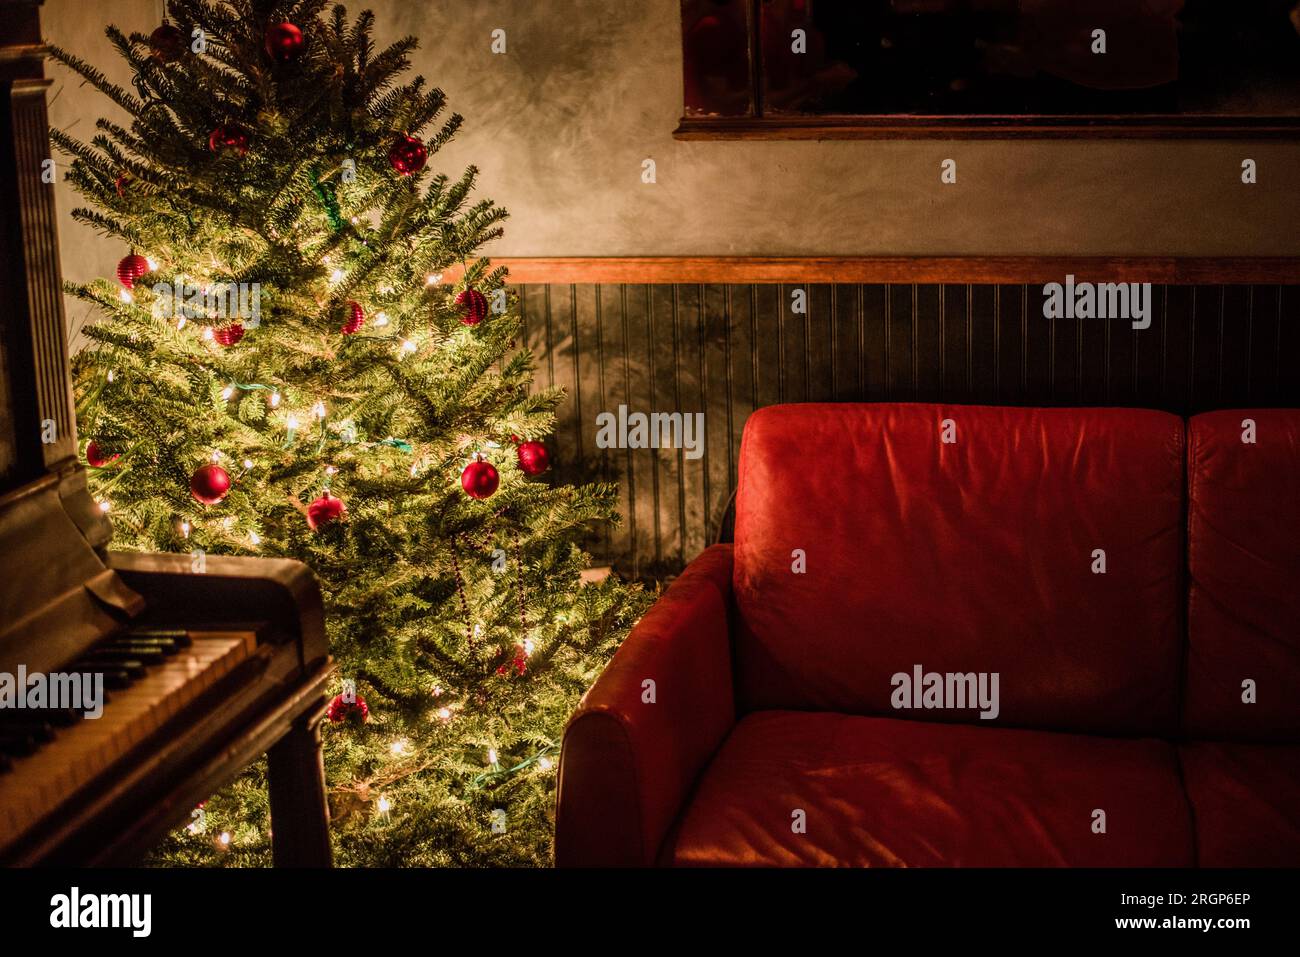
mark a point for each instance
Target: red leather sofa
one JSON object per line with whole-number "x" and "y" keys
{"x": 1130, "y": 577}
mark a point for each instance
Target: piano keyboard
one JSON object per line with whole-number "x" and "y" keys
{"x": 149, "y": 676}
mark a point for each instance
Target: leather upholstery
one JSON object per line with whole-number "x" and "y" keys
{"x": 882, "y": 792}
{"x": 1244, "y": 559}
{"x": 970, "y": 556}
{"x": 773, "y": 688}
{"x": 1246, "y": 802}
{"x": 627, "y": 761}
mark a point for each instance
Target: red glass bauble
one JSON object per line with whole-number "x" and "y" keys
{"x": 229, "y": 335}
{"x": 480, "y": 479}
{"x": 130, "y": 268}
{"x": 284, "y": 42}
{"x": 227, "y": 139}
{"x": 166, "y": 43}
{"x": 407, "y": 155}
{"x": 210, "y": 483}
{"x": 473, "y": 307}
{"x": 97, "y": 457}
{"x": 328, "y": 508}
{"x": 519, "y": 662}
{"x": 356, "y": 318}
{"x": 340, "y": 709}
{"x": 533, "y": 458}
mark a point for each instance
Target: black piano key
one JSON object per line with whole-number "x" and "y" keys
{"x": 33, "y": 725}
{"x": 17, "y": 744}
{"x": 118, "y": 661}
{"x": 168, "y": 646}
{"x": 149, "y": 654}
{"x": 180, "y": 638}
{"x": 114, "y": 676}
{"x": 66, "y": 717}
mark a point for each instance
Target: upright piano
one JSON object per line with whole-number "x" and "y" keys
{"x": 204, "y": 672}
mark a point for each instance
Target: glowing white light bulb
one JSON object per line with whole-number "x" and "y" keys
{"x": 180, "y": 323}
{"x": 227, "y": 392}
{"x": 291, "y": 422}
{"x": 254, "y": 538}
{"x": 208, "y": 333}
{"x": 408, "y": 346}
{"x": 248, "y": 463}
{"x": 433, "y": 279}
{"x": 318, "y": 410}
{"x": 331, "y": 470}
{"x": 544, "y": 763}
{"x": 111, "y": 375}
{"x": 216, "y": 455}
{"x": 275, "y": 400}
{"x": 185, "y": 529}
{"x": 225, "y": 838}
{"x": 398, "y": 746}
{"x": 153, "y": 264}
{"x": 381, "y": 319}
{"x": 528, "y": 646}
{"x": 492, "y": 756}
{"x": 444, "y": 714}
{"x": 415, "y": 469}
{"x": 126, "y": 296}
{"x": 336, "y": 275}
{"x": 105, "y": 505}
{"x": 383, "y": 805}
{"x": 228, "y": 522}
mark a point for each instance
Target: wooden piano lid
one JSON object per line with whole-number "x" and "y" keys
{"x": 56, "y": 593}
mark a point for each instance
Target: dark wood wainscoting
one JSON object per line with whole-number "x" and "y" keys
{"x": 726, "y": 350}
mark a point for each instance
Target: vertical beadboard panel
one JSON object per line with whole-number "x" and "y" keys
{"x": 716, "y": 402}
{"x": 726, "y": 350}
{"x": 639, "y": 464}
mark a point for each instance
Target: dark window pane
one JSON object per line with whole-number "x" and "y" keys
{"x": 715, "y": 56}
{"x": 1030, "y": 57}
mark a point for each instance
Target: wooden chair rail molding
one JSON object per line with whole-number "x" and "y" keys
{"x": 896, "y": 269}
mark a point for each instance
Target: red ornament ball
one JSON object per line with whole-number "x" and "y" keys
{"x": 324, "y": 510}
{"x": 480, "y": 479}
{"x": 228, "y": 139}
{"x": 473, "y": 307}
{"x": 284, "y": 42}
{"x": 97, "y": 457}
{"x": 519, "y": 662}
{"x": 166, "y": 43}
{"x": 407, "y": 155}
{"x": 130, "y": 268}
{"x": 533, "y": 458}
{"x": 356, "y": 318}
{"x": 210, "y": 483}
{"x": 229, "y": 335}
{"x": 340, "y": 709}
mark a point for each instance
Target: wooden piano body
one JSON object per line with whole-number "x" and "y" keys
{"x": 215, "y": 669}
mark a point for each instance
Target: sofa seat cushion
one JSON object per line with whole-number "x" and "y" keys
{"x": 1244, "y": 801}
{"x": 889, "y": 792}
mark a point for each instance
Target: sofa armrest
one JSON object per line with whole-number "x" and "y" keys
{"x": 633, "y": 750}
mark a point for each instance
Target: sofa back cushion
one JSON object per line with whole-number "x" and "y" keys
{"x": 1040, "y": 545}
{"x": 1243, "y": 539}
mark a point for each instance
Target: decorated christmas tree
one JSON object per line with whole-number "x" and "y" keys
{"x": 302, "y": 354}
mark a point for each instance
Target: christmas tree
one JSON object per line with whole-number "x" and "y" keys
{"x": 280, "y": 369}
